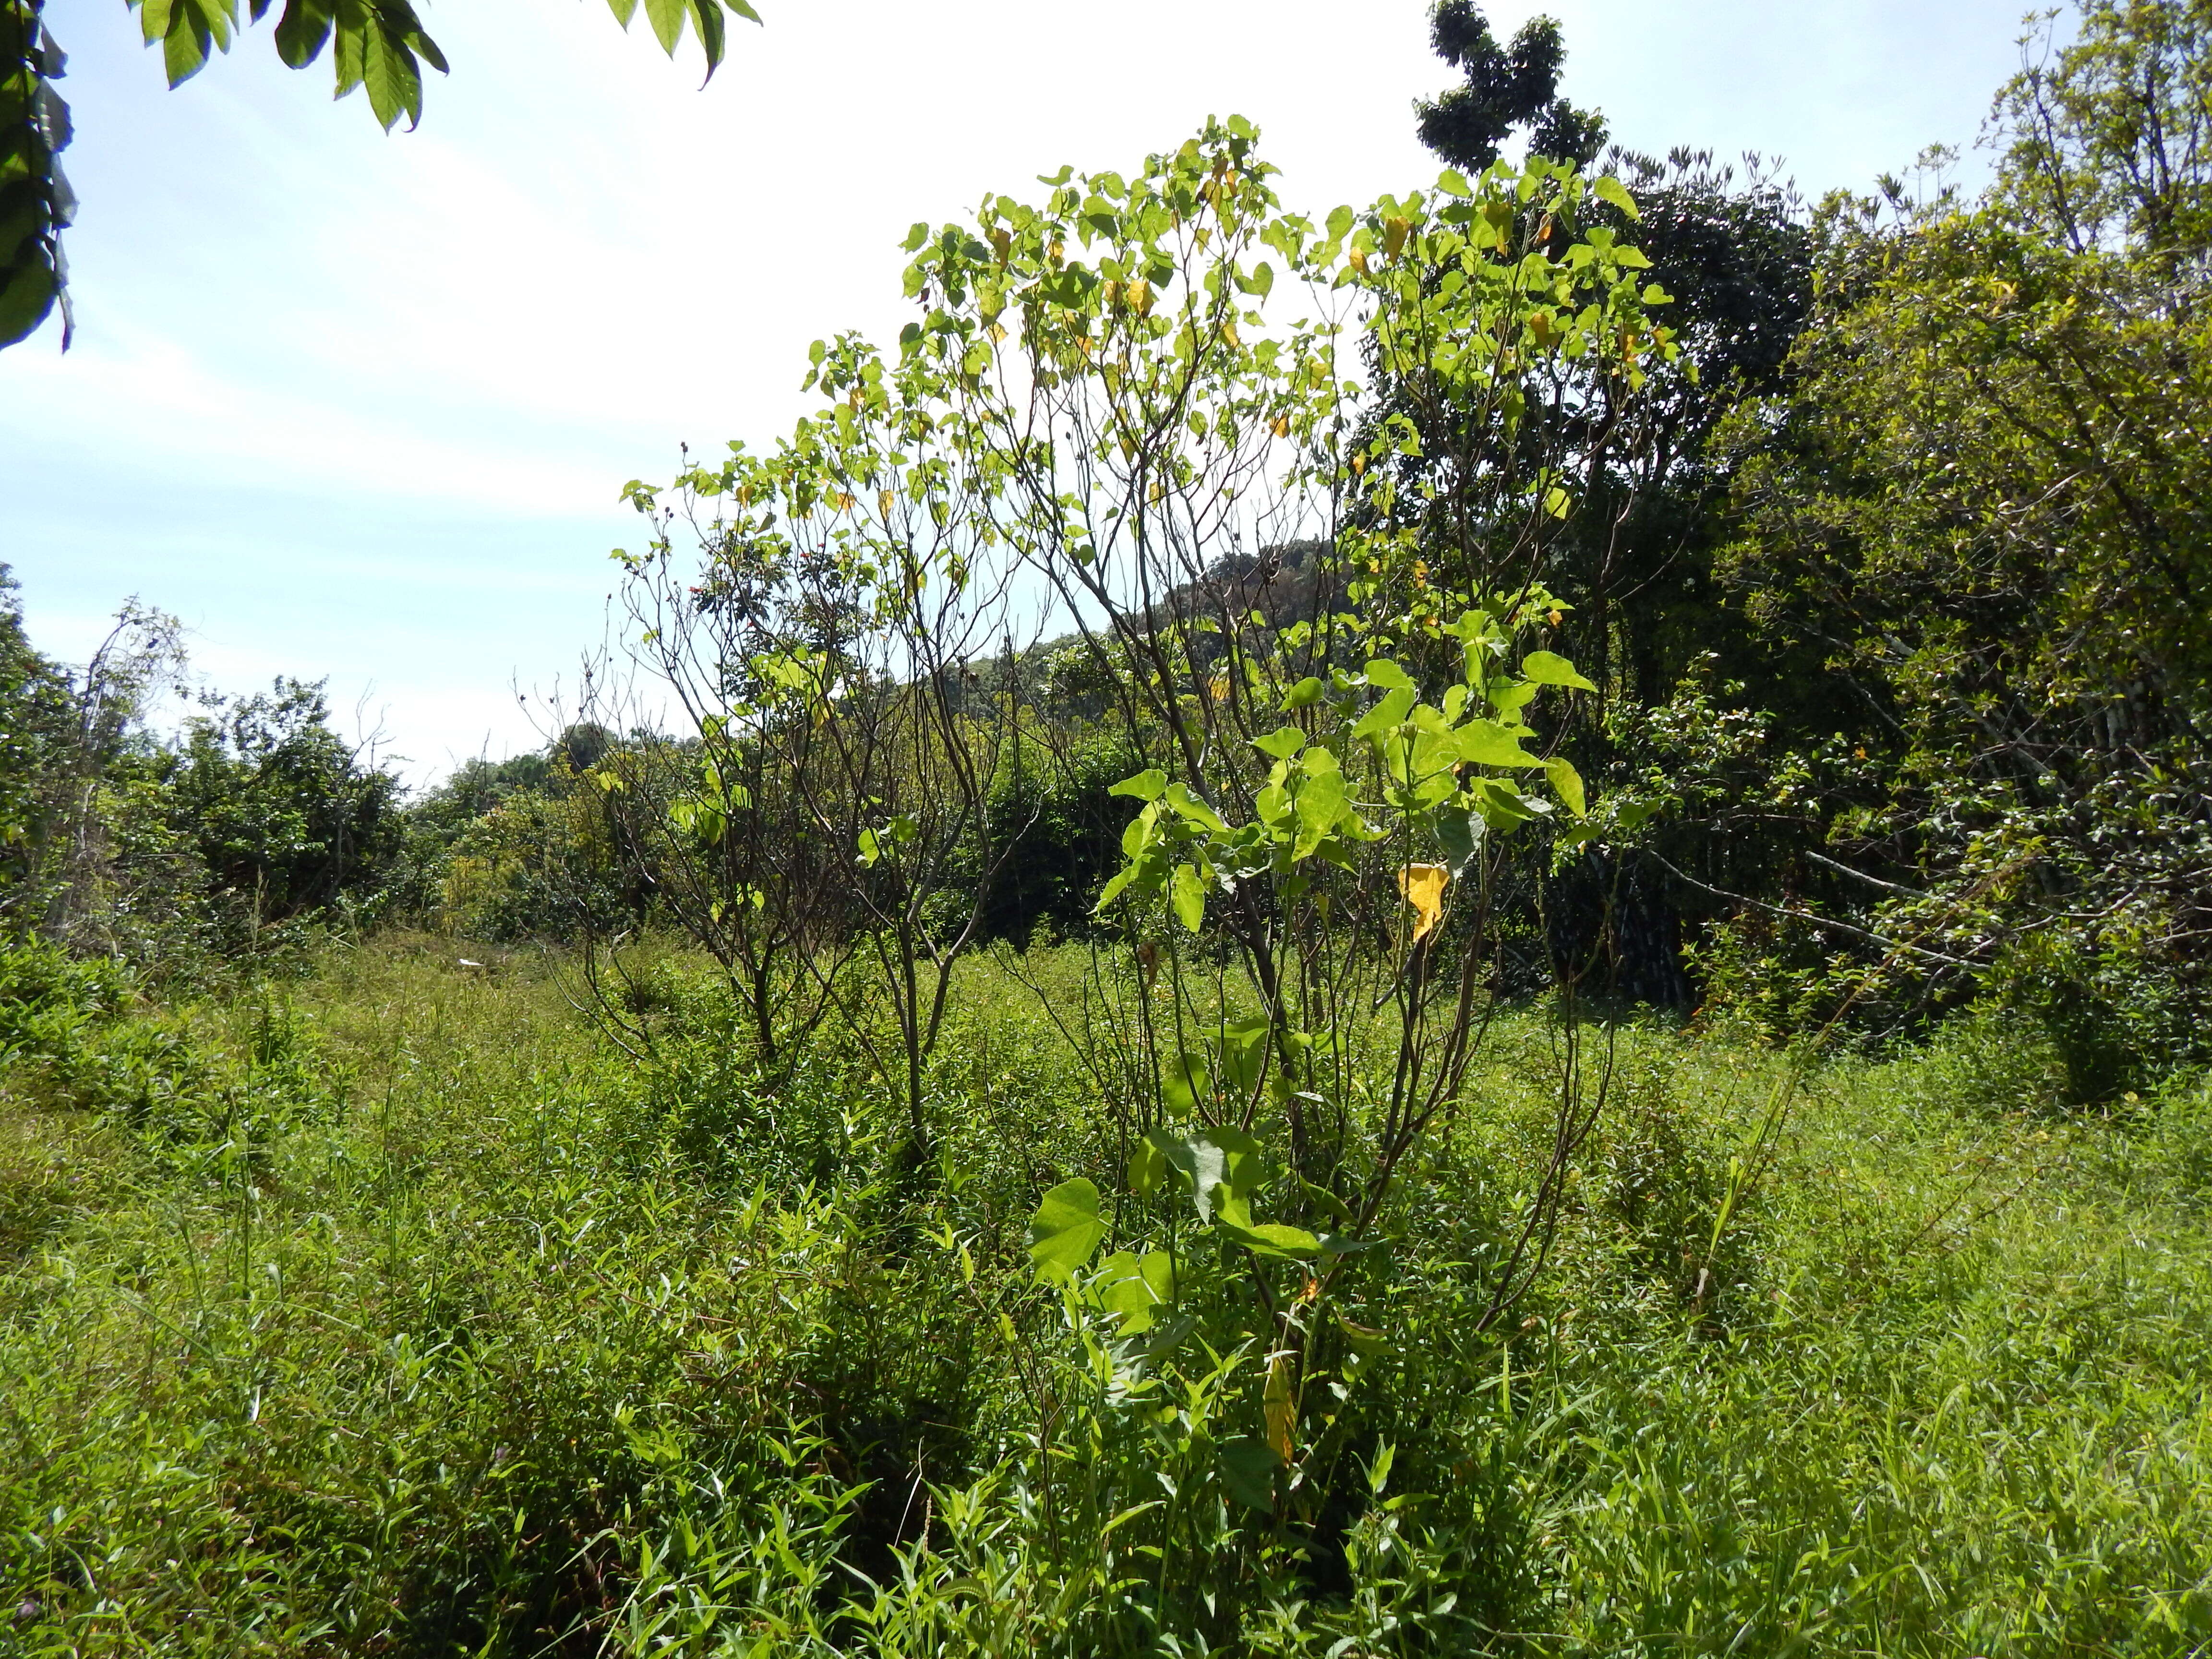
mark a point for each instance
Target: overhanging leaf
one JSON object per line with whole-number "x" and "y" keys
{"x": 666, "y": 17}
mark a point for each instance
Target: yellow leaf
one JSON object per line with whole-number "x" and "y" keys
{"x": 1277, "y": 1403}
{"x": 1359, "y": 262}
{"x": 1423, "y": 885}
{"x": 1394, "y": 236}
{"x": 1228, "y": 335}
{"x": 842, "y": 501}
{"x": 884, "y": 502}
{"x": 1282, "y": 427}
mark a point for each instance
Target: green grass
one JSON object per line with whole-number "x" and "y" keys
{"x": 391, "y": 1311}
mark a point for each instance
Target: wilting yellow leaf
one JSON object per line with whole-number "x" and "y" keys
{"x": 841, "y": 502}
{"x": 1358, "y": 261}
{"x": 1423, "y": 885}
{"x": 1394, "y": 236}
{"x": 1282, "y": 427}
{"x": 884, "y": 500}
{"x": 1276, "y": 1402}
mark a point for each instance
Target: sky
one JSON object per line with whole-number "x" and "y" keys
{"x": 360, "y": 405}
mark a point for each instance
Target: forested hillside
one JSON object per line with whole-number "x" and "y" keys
{"x": 1478, "y": 924}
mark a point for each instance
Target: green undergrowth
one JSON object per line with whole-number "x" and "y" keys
{"x": 393, "y": 1310}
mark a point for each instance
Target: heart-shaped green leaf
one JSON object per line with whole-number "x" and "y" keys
{"x": 1065, "y": 1231}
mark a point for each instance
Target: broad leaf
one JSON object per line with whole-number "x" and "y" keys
{"x": 1065, "y": 1231}
{"x": 1223, "y": 1166}
{"x": 1146, "y": 786}
{"x": 1273, "y": 1238}
{"x": 1248, "y": 1469}
{"x": 1486, "y": 743}
{"x": 1423, "y": 888}
{"x": 1549, "y": 668}
{"x": 1133, "y": 1286}
{"x": 1321, "y": 805}
{"x": 1462, "y": 835}
{"x": 1188, "y": 895}
{"x": 1610, "y": 189}
{"x": 1568, "y": 783}
{"x": 1184, "y": 1086}
{"x": 1391, "y": 711}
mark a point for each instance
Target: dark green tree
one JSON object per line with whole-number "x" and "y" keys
{"x": 1974, "y": 534}
{"x": 1505, "y": 90}
{"x": 287, "y": 817}
{"x": 35, "y": 722}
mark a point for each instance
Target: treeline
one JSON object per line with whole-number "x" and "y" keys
{"x": 1859, "y": 550}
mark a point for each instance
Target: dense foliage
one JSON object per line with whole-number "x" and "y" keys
{"x": 398, "y": 1312}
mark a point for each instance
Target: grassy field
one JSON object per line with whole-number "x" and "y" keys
{"x": 389, "y": 1309}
